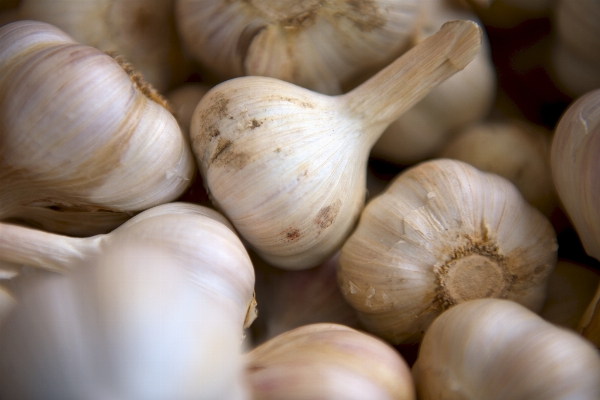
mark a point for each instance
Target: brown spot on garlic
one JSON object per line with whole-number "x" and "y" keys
{"x": 292, "y": 234}
{"x": 326, "y": 215}
{"x": 223, "y": 156}
{"x": 255, "y": 124}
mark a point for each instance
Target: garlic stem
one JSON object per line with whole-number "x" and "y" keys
{"x": 396, "y": 88}
{"x": 41, "y": 249}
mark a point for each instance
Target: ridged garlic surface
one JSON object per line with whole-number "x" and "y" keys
{"x": 83, "y": 144}
{"x": 327, "y": 361}
{"x": 575, "y": 164}
{"x": 498, "y": 350}
{"x": 126, "y": 324}
{"x": 202, "y": 239}
{"x": 142, "y": 31}
{"x": 465, "y": 98}
{"x": 441, "y": 234}
{"x": 287, "y": 166}
{"x": 311, "y": 43}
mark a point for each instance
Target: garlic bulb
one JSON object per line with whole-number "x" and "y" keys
{"x": 576, "y": 53}
{"x": 203, "y": 240}
{"x": 314, "y": 44}
{"x": 143, "y": 31}
{"x": 514, "y": 149}
{"x": 82, "y": 144}
{"x": 327, "y": 361}
{"x": 289, "y": 299}
{"x": 575, "y": 166}
{"x": 182, "y": 102}
{"x": 463, "y": 99}
{"x": 496, "y": 349}
{"x": 443, "y": 233}
{"x": 126, "y": 324}
{"x": 571, "y": 288}
{"x": 287, "y": 166}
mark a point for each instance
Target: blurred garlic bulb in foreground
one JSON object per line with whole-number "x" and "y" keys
{"x": 142, "y": 31}
{"x": 287, "y": 166}
{"x": 576, "y": 167}
{"x": 311, "y": 43}
{"x": 516, "y": 150}
{"x": 496, "y": 349}
{"x": 462, "y": 99}
{"x": 327, "y": 361}
{"x": 202, "y": 240}
{"x": 127, "y": 324}
{"x": 84, "y": 142}
{"x": 441, "y": 234}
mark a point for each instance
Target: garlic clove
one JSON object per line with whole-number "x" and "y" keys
{"x": 287, "y": 166}
{"x": 465, "y": 98}
{"x": 497, "y": 349}
{"x": 284, "y": 39}
{"x": 289, "y": 299}
{"x": 571, "y": 288}
{"x": 514, "y": 149}
{"x": 126, "y": 324}
{"x": 203, "y": 240}
{"x": 143, "y": 31}
{"x": 575, "y": 165}
{"x": 441, "y": 234}
{"x": 327, "y": 361}
{"x": 81, "y": 136}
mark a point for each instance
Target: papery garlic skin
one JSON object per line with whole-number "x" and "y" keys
{"x": 313, "y": 44}
{"x": 327, "y": 361}
{"x": 575, "y": 167}
{"x": 463, "y": 99}
{"x": 441, "y": 234}
{"x": 142, "y": 31}
{"x": 287, "y": 166}
{"x": 514, "y": 149}
{"x": 126, "y": 324}
{"x": 496, "y": 349}
{"x": 201, "y": 239}
{"x": 79, "y": 137}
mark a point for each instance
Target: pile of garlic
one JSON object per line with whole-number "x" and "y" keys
{"x": 260, "y": 199}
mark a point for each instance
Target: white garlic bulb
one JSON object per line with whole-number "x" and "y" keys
{"x": 463, "y": 99}
{"x": 142, "y": 31}
{"x": 576, "y": 52}
{"x": 126, "y": 324}
{"x": 83, "y": 145}
{"x": 288, "y": 166}
{"x": 514, "y": 149}
{"x": 202, "y": 239}
{"x": 496, "y": 349}
{"x": 327, "y": 361}
{"x": 441, "y": 234}
{"x": 313, "y": 44}
{"x": 575, "y": 167}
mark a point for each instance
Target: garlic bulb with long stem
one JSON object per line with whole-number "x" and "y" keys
{"x": 83, "y": 144}
{"x": 129, "y": 324}
{"x": 203, "y": 239}
{"x": 464, "y": 98}
{"x": 441, "y": 234}
{"x": 514, "y": 149}
{"x": 143, "y": 31}
{"x": 287, "y": 166}
{"x": 313, "y": 44}
{"x": 575, "y": 167}
{"x": 496, "y": 349}
{"x": 327, "y": 361}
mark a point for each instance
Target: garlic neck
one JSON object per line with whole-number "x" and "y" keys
{"x": 383, "y": 98}
{"x": 139, "y": 83}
